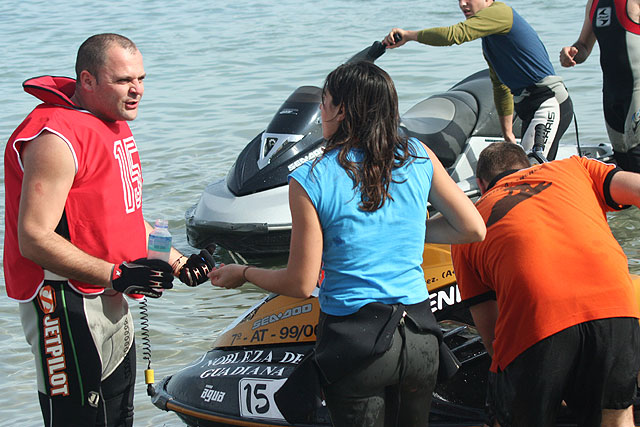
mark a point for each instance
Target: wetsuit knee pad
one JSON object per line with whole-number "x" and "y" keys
{"x": 551, "y": 108}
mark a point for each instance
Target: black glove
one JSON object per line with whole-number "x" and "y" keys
{"x": 194, "y": 271}
{"x": 143, "y": 276}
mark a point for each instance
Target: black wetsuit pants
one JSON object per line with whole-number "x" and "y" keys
{"x": 394, "y": 389}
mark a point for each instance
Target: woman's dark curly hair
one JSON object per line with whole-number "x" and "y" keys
{"x": 369, "y": 100}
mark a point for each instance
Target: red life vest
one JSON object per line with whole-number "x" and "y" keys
{"x": 103, "y": 209}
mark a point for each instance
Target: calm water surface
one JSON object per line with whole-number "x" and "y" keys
{"x": 217, "y": 71}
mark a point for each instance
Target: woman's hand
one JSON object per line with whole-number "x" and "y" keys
{"x": 300, "y": 277}
{"x": 228, "y": 276}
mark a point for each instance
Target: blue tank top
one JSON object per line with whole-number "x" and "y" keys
{"x": 519, "y": 58}
{"x": 369, "y": 256}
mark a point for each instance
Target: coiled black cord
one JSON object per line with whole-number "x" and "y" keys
{"x": 146, "y": 346}
{"x": 144, "y": 326}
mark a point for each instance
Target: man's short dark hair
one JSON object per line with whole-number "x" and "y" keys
{"x": 92, "y": 53}
{"x": 500, "y": 157}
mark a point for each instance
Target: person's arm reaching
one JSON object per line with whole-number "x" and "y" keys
{"x": 506, "y": 124}
{"x": 492, "y": 20}
{"x": 625, "y": 188}
{"x": 300, "y": 277}
{"x": 485, "y": 315}
{"x": 459, "y": 220}
{"x": 503, "y": 100}
{"x": 581, "y": 49}
{"x": 398, "y": 37}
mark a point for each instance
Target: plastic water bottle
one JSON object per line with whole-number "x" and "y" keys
{"x": 160, "y": 241}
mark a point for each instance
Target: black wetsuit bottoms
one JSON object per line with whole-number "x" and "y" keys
{"x": 629, "y": 160}
{"x": 392, "y": 390}
{"x": 544, "y": 119}
{"x": 591, "y": 366}
{"x": 622, "y": 117}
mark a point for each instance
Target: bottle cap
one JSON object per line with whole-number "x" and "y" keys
{"x": 162, "y": 223}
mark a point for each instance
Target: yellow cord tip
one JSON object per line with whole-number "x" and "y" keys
{"x": 148, "y": 376}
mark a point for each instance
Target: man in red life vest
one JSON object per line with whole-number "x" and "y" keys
{"x": 75, "y": 237}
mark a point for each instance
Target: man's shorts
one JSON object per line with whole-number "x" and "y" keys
{"x": 591, "y": 366}
{"x": 84, "y": 351}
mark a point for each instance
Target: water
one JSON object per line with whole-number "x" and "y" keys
{"x": 217, "y": 71}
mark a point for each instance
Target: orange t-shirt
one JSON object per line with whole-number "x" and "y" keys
{"x": 549, "y": 254}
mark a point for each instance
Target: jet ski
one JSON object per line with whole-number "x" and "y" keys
{"x": 248, "y": 211}
{"x": 235, "y": 383}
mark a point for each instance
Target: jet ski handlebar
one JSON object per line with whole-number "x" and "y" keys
{"x": 370, "y": 53}
{"x": 373, "y": 52}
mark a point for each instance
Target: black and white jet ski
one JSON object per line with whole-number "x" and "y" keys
{"x": 248, "y": 211}
{"x": 234, "y": 383}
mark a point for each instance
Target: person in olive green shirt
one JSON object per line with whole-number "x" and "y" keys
{"x": 519, "y": 66}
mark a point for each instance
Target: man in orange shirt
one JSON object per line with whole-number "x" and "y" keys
{"x": 549, "y": 288}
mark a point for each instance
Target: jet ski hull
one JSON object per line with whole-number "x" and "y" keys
{"x": 234, "y": 383}
{"x": 258, "y": 223}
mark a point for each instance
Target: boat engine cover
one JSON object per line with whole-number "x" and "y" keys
{"x": 291, "y": 138}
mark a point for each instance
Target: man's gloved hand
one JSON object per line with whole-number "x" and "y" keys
{"x": 194, "y": 271}
{"x": 143, "y": 276}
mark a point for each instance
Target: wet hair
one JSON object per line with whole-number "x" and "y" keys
{"x": 500, "y": 157}
{"x": 92, "y": 53}
{"x": 368, "y": 98}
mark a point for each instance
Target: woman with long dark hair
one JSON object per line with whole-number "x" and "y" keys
{"x": 359, "y": 212}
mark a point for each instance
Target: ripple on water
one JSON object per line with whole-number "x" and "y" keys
{"x": 217, "y": 72}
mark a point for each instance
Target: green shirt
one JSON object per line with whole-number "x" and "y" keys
{"x": 495, "y": 19}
